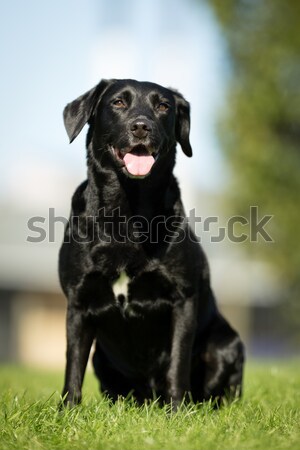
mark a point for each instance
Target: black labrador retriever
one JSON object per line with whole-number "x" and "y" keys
{"x": 163, "y": 337}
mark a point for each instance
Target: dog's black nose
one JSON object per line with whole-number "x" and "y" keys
{"x": 140, "y": 128}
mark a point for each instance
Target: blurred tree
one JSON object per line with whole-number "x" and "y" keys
{"x": 260, "y": 128}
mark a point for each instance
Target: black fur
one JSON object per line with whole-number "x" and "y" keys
{"x": 165, "y": 337}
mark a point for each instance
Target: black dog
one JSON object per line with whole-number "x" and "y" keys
{"x": 165, "y": 336}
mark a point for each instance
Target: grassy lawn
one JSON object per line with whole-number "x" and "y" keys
{"x": 268, "y": 417}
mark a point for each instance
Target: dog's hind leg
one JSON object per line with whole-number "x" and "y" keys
{"x": 217, "y": 370}
{"x": 112, "y": 382}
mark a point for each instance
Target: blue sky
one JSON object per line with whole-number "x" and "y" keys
{"x": 52, "y": 52}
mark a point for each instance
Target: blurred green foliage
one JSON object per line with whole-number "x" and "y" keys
{"x": 260, "y": 128}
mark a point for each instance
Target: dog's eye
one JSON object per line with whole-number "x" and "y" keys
{"x": 119, "y": 103}
{"x": 163, "y": 106}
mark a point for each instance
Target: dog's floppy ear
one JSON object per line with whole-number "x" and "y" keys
{"x": 79, "y": 112}
{"x": 182, "y": 126}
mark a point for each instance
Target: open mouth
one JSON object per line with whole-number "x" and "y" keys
{"x": 138, "y": 161}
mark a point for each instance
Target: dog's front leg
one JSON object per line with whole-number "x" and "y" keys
{"x": 178, "y": 375}
{"x": 79, "y": 341}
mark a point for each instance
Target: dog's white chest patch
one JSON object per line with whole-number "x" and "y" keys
{"x": 120, "y": 285}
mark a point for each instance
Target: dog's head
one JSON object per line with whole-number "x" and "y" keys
{"x": 132, "y": 124}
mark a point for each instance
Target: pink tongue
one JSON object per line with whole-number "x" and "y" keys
{"x": 138, "y": 165}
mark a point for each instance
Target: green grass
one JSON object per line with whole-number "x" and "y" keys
{"x": 267, "y": 417}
